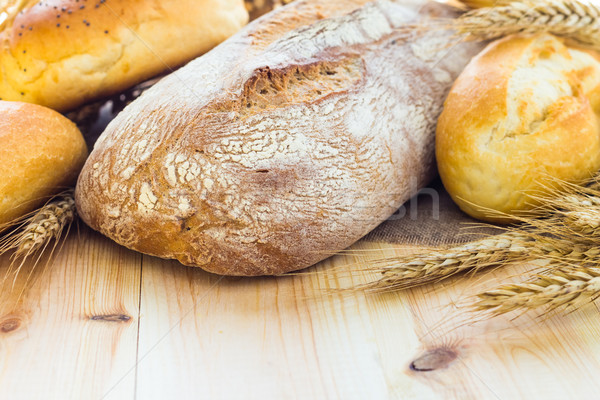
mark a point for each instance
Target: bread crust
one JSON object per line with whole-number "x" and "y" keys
{"x": 63, "y": 53}
{"x": 282, "y": 146}
{"x": 480, "y": 3}
{"x": 526, "y": 109}
{"x": 41, "y": 153}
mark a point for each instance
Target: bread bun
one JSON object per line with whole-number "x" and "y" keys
{"x": 63, "y": 53}
{"x": 527, "y": 108}
{"x": 480, "y": 3}
{"x": 41, "y": 152}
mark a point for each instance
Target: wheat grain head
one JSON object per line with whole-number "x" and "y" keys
{"x": 561, "y": 287}
{"x": 397, "y": 273}
{"x": 33, "y": 232}
{"x": 574, "y": 19}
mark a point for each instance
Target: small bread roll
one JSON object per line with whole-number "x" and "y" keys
{"x": 64, "y": 53}
{"x": 526, "y": 109}
{"x": 41, "y": 153}
{"x": 481, "y": 3}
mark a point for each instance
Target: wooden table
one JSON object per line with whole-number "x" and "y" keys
{"x": 102, "y": 322}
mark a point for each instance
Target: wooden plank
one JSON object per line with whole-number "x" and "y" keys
{"x": 202, "y": 336}
{"x": 500, "y": 358}
{"x": 73, "y": 332}
{"x": 208, "y": 337}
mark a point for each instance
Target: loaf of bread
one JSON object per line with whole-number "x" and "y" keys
{"x": 282, "y": 146}
{"x": 524, "y": 112}
{"x": 63, "y": 53}
{"x": 41, "y": 152}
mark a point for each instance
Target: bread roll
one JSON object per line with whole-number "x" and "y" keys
{"x": 63, "y": 53}
{"x": 483, "y": 3}
{"x": 41, "y": 153}
{"x": 524, "y": 110}
{"x": 280, "y": 147}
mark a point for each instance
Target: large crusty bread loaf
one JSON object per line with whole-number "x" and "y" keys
{"x": 41, "y": 152}
{"x": 283, "y": 145}
{"x": 62, "y": 53}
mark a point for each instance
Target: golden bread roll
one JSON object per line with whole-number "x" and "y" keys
{"x": 526, "y": 109}
{"x": 481, "y": 3}
{"x": 63, "y": 53}
{"x": 41, "y": 153}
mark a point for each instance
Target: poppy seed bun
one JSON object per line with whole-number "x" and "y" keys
{"x": 526, "y": 109}
{"x": 63, "y": 53}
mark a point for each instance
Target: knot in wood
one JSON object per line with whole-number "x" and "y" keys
{"x": 433, "y": 360}
{"x": 111, "y": 318}
{"x": 10, "y": 324}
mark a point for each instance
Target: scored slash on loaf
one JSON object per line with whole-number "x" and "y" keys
{"x": 282, "y": 146}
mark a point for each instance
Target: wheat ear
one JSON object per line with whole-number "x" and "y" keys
{"x": 574, "y": 19}
{"x": 561, "y": 287}
{"x": 35, "y": 231}
{"x": 567, "y": 235}
{"x": 573, "y": 215}
{"x": 572, "y": 230}
{"x": 397, "y": 273}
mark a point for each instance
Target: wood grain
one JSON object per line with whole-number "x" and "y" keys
{"x": 73, "y": 331}
{"x": 104, "y": 322}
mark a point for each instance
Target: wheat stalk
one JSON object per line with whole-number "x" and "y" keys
{"x": 573, "y": 19}
{"x": 565, "y": 235}
{"x": 585, "y": 222}
{"x": 405, "y": 272}
{"x": 573, "y": 231}
{"x": 32, "y": 234}
{"x": 581, "y": 215}
{"x": 562, "y": 287}
{"x": 512, "y": 247}
{"x": 35, "y": 231}
{"x": 574, "y": 214}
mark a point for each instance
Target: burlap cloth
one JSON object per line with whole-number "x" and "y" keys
{"x": 430, "y": 219}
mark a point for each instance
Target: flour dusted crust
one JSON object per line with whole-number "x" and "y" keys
{"x": 280, "y": 147}
{"x": 63, "y": 53}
